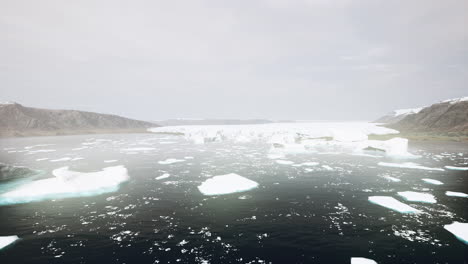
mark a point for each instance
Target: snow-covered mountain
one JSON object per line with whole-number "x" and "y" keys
{"x": 397, "y": 115}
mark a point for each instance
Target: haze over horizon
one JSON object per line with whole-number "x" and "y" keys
{"x": 311, "y": 59}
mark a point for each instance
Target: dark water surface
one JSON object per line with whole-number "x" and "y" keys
{"x": 297, "y": 215}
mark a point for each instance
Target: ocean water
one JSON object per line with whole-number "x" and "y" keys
{"x": 298, "y": 214}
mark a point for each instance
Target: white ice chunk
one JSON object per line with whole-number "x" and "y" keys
{"x": 393, "y": 204}
{"x": 224, "y": 184}
{"x": 407, "y": 165}
{"x": 137, "y": 149}
{"x": 308, "y": 164}
{"x": 431, "y": 181}
{"x": 457, "y": 168}
{"x": 7, "y": 240}
{"x": 67, "y": 183}
{"x": 396, "y": 147}
{"x": 170, "y": 161}
{"x": 418, "y": 197}
{"x": 460, "y": 230}
{"x": 284, "y": 162}
{"x": 392, "y": 179}
{"x": 110, "y": 161}
{"x": 456, "y": 194}
{"x": 61, "y": 159}
{"x": 359, "y": 260}
{"x": 164, "y": 176}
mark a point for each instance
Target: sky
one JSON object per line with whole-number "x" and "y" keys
{"x": 276, "y": 59}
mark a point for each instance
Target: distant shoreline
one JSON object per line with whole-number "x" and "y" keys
{"x": 39, "y": 133}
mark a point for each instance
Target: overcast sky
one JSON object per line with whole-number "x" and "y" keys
{"x": 279, "y": 59}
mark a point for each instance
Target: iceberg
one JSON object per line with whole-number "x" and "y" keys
{"x": 407, "y": 165}
{"x": 169, "y": 161}
{"x": 431, "y": 181}
{"x": 359, "y": 260}
{"x": 418, "y": 197}
{"x": 225, "y": 184}
{"x": 393, "y": 204}
{"x": 457, "y": 168}
{"x": 456, "y": 194}
{"x": 67, "y": 183}
{"x": 460, "y": 230}
{"x": 7, "y": 240}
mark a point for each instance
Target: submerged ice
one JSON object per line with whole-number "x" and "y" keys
{"x": 67, "y": 183}
{"x": 225, "y": 184}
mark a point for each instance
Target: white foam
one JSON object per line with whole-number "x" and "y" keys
{"x": 431, "y": 181}
{"x": 418, "y": 197}
{"x": 457, "y": 168}
{"x": 7, "y": 240}
{"x": 456, "y": 194}
{"x": 225, "y": 184}
{"x": 170, "y": 161}
{"x": 460, "y": 230}
{"x": 68, "y": 183}
{"x": 408, "y": 165}
{"x": 360, "y": 260}
{"x": 164, "y": 176}
{"x": 393, "y": 204}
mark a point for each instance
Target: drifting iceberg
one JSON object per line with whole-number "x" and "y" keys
{"x": 431, "y": 181}
{"x": 460, "y": 230}
{"x": 7, "y": 240}
{"x": 67, "y": 183}
{"x": 456, "y": 194}
{"x": 407, "y": 165}
{"x": 359, "y": 260}
{"x": 418, "y": 197}
{"x": 393, "y": 204}
{"x": 457, "y": 168}
{"x": 225, "y": 184}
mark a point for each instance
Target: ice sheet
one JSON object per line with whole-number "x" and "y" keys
{"x": 225, "y": 184}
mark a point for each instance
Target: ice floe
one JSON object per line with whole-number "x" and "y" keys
{"x": 67, "y": 183}
{"x": 457, "y": 168}
{"x": 393, "y": 204}
{"x": 408, "y": 165}
{"x": 164, "y": 176}
{"x": 459, "y": 230}
{"x": 360, "y": 260}
{"x": 392, "y": 179}
{"x": 431, "y": 181}
{"x": 225, "y": 184}
{"x": 7, "y": 240}
{"x": 418, "y": 197}
{"x": 284, "y": 162}
{"x": 456, "y": 194}
{"x": 110, "y": 161}
{"x": 170, "y": 161}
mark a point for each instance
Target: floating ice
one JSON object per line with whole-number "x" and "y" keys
{"x": 61, "y": 159}
{"x": 164, "y": 176}
{"x": 224, "y": 184}
{"x": 460, "y": 230}
{"x": 284, "y": 162}
{"x": 359, "y": 260}
{"x": 137, "y": 149}
{"x": 7, "y": 240}
{"x": 393, "y": 204}
{"x": 110, "y": 161}
{"x": 392, "y": 179}
{"x": 407, "y": 165}
{"x": 457, "y": 168}
{"x": 456, "y": 194}
{"x": 67, "y": 183}
{"x": 418, "y": 197}
{"x": 348, "y": 136}
{"x": 170, "y": 161}
{"x": 431, "y": 181}
{"x": 309, "y": 164}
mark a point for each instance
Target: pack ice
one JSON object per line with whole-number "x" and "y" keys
{"x": 67, "y": 183}
{"x": 393, "y": 204}
{"x": 225, "y": 184}
{"x": 359, "y": 260}
{"x": 7, "y": 240}
{"x": 460, "y": 230}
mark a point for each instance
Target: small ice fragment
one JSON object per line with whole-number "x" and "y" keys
{"x": 110, "y": 161}
{"x": 456, "y": 194}
{"x": 224, "y": 184}
{"x": 457, "y": 168}
{"x": 393, "y": 204}
{"x": 284, "y": 162}
{"x": 431, "y": 181}
{"x": 7, "y": 240}
{"x": 460, "y": 230}
{"x": 359, "y": 260}
{"x": 61, "y": 159}
{"x": 407, "y": 165}
{"x": 418, "y": 197}
{"x": 164, "y": 176}
{"x": 392, "y": 179}
{"x": 169, "y": 161}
